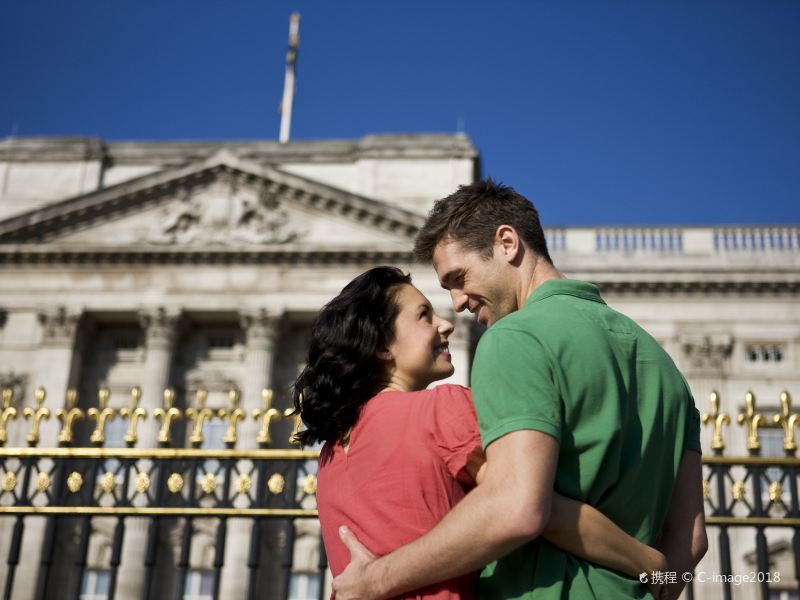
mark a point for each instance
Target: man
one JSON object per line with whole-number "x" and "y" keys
{"x": 570, "y": 394}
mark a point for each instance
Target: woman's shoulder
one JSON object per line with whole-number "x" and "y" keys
{"x": 451, "y": 391}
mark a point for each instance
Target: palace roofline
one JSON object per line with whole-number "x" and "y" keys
{"x": 174, "y": 152}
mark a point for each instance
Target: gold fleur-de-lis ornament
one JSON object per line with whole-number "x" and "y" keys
{"x": 717, "y": 420}
{"x": 101, "y": 416}
{"x": 234, "y": 415}
{"x": 199, "y": 415}
{"x": 7, "y": 413}
{"x": 133, "y": 414}
{"x": 167, "y": 415}
{"x": 752, "y": 420}
{"x": 268, "y": 416}
{"x": 788, "y": 421}
{"x": 36, "y": 415}
{"x": 68, "y": 415}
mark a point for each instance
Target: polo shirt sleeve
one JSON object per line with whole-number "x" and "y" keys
{"x": 513, "y": 385}
{"x": 692, "y": 436}
{"x": 691, "y": 433}
{"x": 454, "y": 428}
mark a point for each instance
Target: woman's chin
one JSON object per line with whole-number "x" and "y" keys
{"x": 445, "y": 372}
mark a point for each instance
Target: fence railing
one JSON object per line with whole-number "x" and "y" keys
{"x": 184, "y": 503}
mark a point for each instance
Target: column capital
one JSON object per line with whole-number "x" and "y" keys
{"x": 58, "y": 325}
{"x": 261, "y": 326}
{"x": 160, "y": 326}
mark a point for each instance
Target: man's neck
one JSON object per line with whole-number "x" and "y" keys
{"x": 541, "y": 270}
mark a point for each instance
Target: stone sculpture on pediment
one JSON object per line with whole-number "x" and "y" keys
{"x": 224, "y": 214}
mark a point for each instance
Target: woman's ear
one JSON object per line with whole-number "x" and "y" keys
{"x": 384, "y": 355}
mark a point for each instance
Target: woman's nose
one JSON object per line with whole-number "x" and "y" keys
{"x": 445, "y": 327}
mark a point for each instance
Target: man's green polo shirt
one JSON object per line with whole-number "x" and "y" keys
{"x": 568, "y": 365}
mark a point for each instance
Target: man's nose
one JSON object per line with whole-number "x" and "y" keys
{"x": 459, "y": 300}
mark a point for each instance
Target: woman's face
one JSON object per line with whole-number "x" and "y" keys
{"x": 419, "y": 353}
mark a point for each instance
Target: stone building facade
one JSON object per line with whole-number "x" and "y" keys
{"x": 195, "y": 265}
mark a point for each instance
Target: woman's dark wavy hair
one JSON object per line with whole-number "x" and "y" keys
{"x": 343, "y": 370}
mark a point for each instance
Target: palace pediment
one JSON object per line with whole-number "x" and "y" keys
{"x": 220, "y": 204}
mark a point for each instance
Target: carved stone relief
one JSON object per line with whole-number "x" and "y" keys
{"x": 225, "y": 213}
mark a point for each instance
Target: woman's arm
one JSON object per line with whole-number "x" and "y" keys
{"x": 584, "y": 531}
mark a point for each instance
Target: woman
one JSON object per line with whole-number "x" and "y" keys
{"x": 397, "y": 456}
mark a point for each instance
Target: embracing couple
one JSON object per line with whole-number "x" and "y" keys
{"x": 572, "y": 465}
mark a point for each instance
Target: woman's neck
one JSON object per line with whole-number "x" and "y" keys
{"x": 397, "y": 385}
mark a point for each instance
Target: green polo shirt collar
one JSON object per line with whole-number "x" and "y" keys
{"x": 565, "y": 287}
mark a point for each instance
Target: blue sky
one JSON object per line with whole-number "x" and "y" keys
{"x": 600, "y": 112}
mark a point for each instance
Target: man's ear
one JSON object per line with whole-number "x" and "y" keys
{"x": 507, "y": 238}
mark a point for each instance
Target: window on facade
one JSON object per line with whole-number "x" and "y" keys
{"x": 125, "y": 342}
{"x": 783, "y": 595}
{"x": 199, "y": 585}
{"x": 765, "y": 353}
{"x": 304, "y": 586}
{"x": 96, "y": 584}
{"x": 115, "y": 438}
{"x": 220, "y": 340}
{"x": 771, "y": 439}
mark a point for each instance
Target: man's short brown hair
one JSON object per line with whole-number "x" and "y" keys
{"x": 471, "y": 216}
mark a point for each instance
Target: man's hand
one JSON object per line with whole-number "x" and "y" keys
{"x": 354, "y": 582}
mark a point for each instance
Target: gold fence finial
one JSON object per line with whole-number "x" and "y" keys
{"x": 68, "y": 415}
{"x": 101, "y": 415}
{"x": 36, "y": 415}
{"x": 199, "y": 415}
{"x": 290, "y": 414}
{"x": 752, "y": 420}
{"x": 233, "y": 415}
{"x": 6, "y": 413}
{"x": 788, "y": 421}
{"x": 267, "y": 416}
{"x": 166, "y": 415}
{"x": 134, "y": 413}
{"x": 718, "y": 420}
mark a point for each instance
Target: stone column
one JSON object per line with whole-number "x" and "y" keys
{"x": 161, "y": 329}
{"x": 55, "y": 370}
{"x": 54, "y": 366}
{"x": 262, "y": 329}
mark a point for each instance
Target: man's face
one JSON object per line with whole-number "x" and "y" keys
{"x": 484, "y": 287}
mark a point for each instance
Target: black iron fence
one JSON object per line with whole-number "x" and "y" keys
{"x": 753, "y": 498}
{"x": 192, "y": 523}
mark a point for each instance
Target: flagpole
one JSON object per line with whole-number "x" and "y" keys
{"x": 288, "y": 82}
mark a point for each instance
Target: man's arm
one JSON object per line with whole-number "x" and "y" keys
{"x": 510, "y": 507}
{"x": 584, "y": 531}
{"x": 683, "y": 535}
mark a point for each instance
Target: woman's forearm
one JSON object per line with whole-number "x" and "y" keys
{"x": 584, "y": 531}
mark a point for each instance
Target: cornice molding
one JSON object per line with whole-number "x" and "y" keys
{"x": 173, "y": 153}
{"x": 36, "y": 255}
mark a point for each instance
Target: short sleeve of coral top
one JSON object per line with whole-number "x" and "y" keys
{"x": 404, "y": 469}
